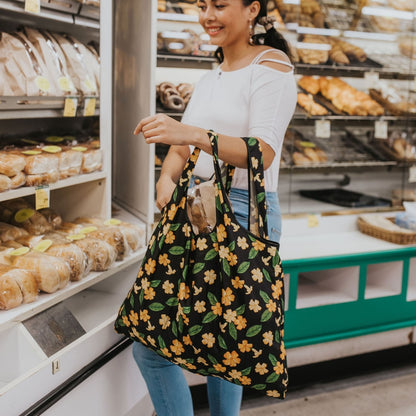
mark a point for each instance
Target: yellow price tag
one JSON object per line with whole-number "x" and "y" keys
{"x": 313, "y": 221}
{"x": 42, "y": 197}
{"x": 89, "y": 108}
{"x": 32, "y": 6}
{"x": 70, "y": 108}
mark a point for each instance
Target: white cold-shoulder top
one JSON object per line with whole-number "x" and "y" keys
{"x": 256, "y": 101}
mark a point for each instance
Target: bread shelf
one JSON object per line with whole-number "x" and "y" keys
{"x": 185, "y": 61}
{"x": 177, "y": 17}
{"x": 45, "y": 300}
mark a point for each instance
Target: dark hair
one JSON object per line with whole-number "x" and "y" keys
{"x": 270, "y": 38}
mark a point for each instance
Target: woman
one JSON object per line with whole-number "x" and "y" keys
{"x": 251, "y": 93}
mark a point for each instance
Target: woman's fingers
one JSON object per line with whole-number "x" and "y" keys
{"x": 143, "y": 123}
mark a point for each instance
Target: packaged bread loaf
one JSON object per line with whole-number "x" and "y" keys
{"x": 51, "y": 216}
{"x": 70, "y": 162}
{"x": 10, "y": 232}
{"x": 10, "y": 293}
{"x": 18, "y": 180}
{"x": 51, "y": 273}
{"x": 5, "y": 183}
{"x": 11, "y": 164}
{"x": 38, "y": 162}
{"x": 42, "y": 178}
{"x": 92, "y": 160}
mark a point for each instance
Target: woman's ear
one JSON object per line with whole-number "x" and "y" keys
{"x": 254, "y": 9}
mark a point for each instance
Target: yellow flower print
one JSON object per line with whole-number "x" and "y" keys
{"x": 149, "y": 294}
{"x": 217, "y": 309}
{"x": 182, "y": 203}
{"x": 151, "y": 341}
{"x": 268, "y": 338}
{"x": 136, "y": 289}
{"x": 150, "y": 267}
{"x": 145, "y": 283}
{"x": 245, "y": 346}
{"x": 237, "y": 283}
{"x": 254, "y": 162}
{"x": 215, "y": 245}
{"x": 201, "y": 243}
{"x": 208, "y": 340}
{"x": 277, "y": 289}
{"x": 227, "y": 220}
{"x": 236, "y": 227}
{"x": 245, "y": 381}
{"x": 271, "y": 306}
{"x": 273, "y": 393}
{"x": 187, "y": 340}
{"x": 200, "y": 306}
{"x": 227, "y": 297}
{"x": 221, "y": 233}
{"x": 258, "y": 245}
{"x": 277, "y": 270}
{"x": 163, "y": 259}
{"x": 232, "y": 259}
{"x": 180, "y": 361}
{"x": 134, "y": 318}
{"x": 202, "y": 361}
{"x": 170, "y": 237}
{"x": 278, "y": 368}
{"x": 177, "y": 347}
{"x": 193, "y": 245}
{"x": 262, "y": 182}
{"x": 231, "y": 358}
{"x": 166, "y": 352}
{"x": 168, "y": 287}
{"x": 224, "y": 252}
{"x": 172, "y": 212}
{"x": 257, "y": 275}
{"x": 183, "y": 292}
{"x": 210, "y": 276}
{"x": 240, "y": 322}
{"x": 261, "y": 368}
{"x": 186, "y": 229}
{"x": 152, "y": 240}
{"x": 190, "y": 366}
{"x": 144, "y": 315}
{"x": 242, "y": 243}
{"x": 254, "y": 306}
{"x": 135, "y": 333}
{"x": 165, "y": 229}
{"x": 126, "y": 320}
{"x": 140, "y": 274}
{"x": 272, "y": 251}
{"x": 219, "y": 368}
{"x": 182, "y": 263}
{"x": 164, "y": 321}
{"x": 234, "y": 374}
{"x": 282, "y": 352}
{"x": 229, "y": 315}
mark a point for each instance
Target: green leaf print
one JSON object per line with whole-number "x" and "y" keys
{"x": 253, "y": 331}
{"x": 141, "y": 296}
{"x": 266, "y": 315}
{"x": 267, "y": 275}
{"x": 155, "y": 283}
{"x": 233, "y": 330}
{"x": 277, "y": 336}
{"x": 222, "y": 343}
{"x": 172, "y": 302}
{"x": 180, "y": 324}
{"x": 252, "y": 141}
{"x": 186, "y": 309}
{"x": 132, "y": 301}
{"x": 175, "y": 227}
{"x": 272, "y": 378}
{"x": 218, "y": 204}
{"x": 246, "y": 371}
{"x": 273, "y": 359}
{"x": 161, "y": 342}
{"x": 185, "y": 272}
{"x": 240, "y": 310}
{"x": 259, "y": 386}
{"x": 156, "y": 307}
{"x": 231, "y": 246}
{"x": 161, "y": 241}
{"x": 260, "y": 197}
{"x": 275, "y": 260}
{"x": 209, "y": 317}
{"x": 252, "y": 254}
{"x": 198, "y": 267}
{"x": 153, "y": 247}
{"x": 196, "y": 329}
{"x": 226, "y": 266}
{"x": 212, "y": 371}
{"x": 214, "y": 238}
{"x": 212, "y": 359}
{"x": 174, "y": 329}
{"x": 211, "y": 254}
{"x": 175, "y": 194}
{"x": 212, "y": 299}
{"x": 243, "y": 267}
{"x": 264, "y": 296}
{"x": 120, "y": 322}
{"x": 176, "y": 250}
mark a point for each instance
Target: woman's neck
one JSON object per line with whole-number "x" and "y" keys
{"x": 237, "y": 57}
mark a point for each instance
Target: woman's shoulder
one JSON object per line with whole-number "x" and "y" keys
{"x": 272, "y": 58}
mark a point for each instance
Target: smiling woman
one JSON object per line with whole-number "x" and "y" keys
{"x": 252, "y": 93}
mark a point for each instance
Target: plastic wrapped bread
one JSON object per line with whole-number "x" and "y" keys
{"x": 42, "y": 178}
{"x": 18, "y": 180}
{"x": 10, "y": 293}
{"x": 51, "y": 216}
{"x": 38, "y": 162}
{"x": 92, "y": 160}
{"x": 9, "y": 232}
{"x": 70, "y": 162}
{"x": 51, "y": 273}
{"x": 11, "y": 164}
{"x": 5, "y": 183}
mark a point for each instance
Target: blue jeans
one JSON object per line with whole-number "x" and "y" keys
{"x": 165, "y": 381}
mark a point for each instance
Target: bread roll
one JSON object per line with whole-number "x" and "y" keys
{"x": 27, "y": 283}
{"x": 41, "y": 163}
{"x": 92, "y": 160}
{"x": 42, "y": 178}
{"x": 51, "y": 216}
{"x": 100, "y": 254}
{"x": 5, "y": 183}
{"x": 17, "y": 180}
{"x": 10, "y": 232}
{"x": 11, "y": 164}
{"x": 10, "y": 293}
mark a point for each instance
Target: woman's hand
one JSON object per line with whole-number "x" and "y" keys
{"x": 164, "y": 129}
{"x": 164, "y": 190}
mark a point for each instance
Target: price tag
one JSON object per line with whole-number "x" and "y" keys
{"x": 323, "y": 129}
{"x": 313, "y": 221}
{"x": 70, "y": 108}
{"x": 381, "y": 129}
{"x": 42, "y": 194}
{"x": 412, "y": 174}
{"x": 89, "y": 107}
{"x": 32, "y": 6}
{"x": 371, "y": 79}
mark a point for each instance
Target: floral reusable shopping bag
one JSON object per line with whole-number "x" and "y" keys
{"x": 213, "y": 303}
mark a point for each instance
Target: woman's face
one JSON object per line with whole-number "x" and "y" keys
{"x": 226, "y": 21}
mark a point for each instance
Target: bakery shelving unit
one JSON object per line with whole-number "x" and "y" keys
{"x": 46, "y": 344}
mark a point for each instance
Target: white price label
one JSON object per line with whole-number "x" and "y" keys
{"x": 70, "y": 108}
{"x": 381, "y": 129}
{"x": 371, "y": 79}
{"x": 412, "y": 174}
{"x": 42, "y": 197}
{"x": 32, "y": 6}
{"x": 323, "y": 129}
{"x": 89, "y": 106}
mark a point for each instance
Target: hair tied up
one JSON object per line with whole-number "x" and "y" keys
{"x": 267, "y": 22}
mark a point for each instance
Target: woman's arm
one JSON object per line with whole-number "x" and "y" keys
{"x": 171, "y": 171}
{"x": 163, "y": 129}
